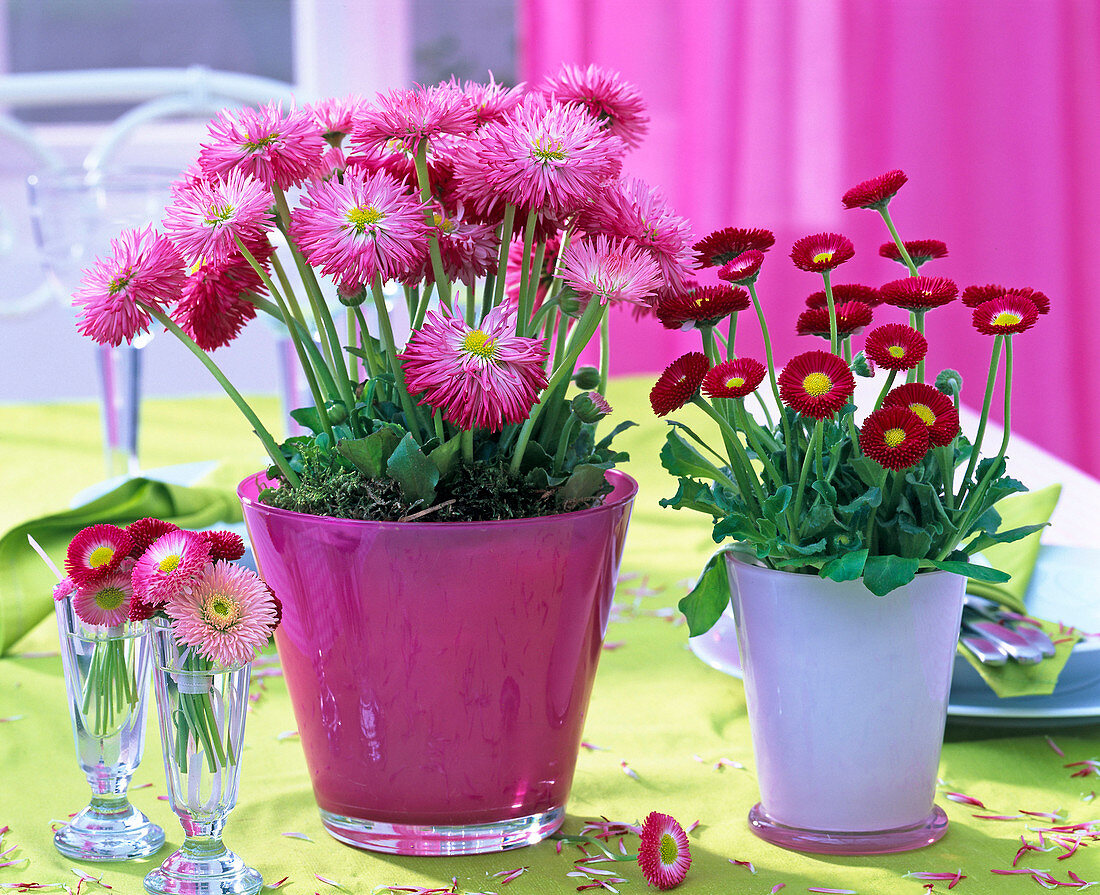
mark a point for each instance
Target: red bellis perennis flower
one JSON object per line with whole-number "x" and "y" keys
{"x": 679, "y": 383}
{"x": 816, "y": 384}
{"x": 894, "y": 437}
{"x": 934, "y": 409}
{"x": 875, "y": 193}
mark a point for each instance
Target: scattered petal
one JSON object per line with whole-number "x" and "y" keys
{"x": 628, "y": 770}
{"x": 963, "y": 799}
{"x": 301, "y": 836}
{"x": 591, "y": 747}
{"x": 1057, "y": 751}
{"x": 747, "y": 864}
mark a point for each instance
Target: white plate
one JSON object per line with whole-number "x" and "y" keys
{"x": 1064, "y": 587}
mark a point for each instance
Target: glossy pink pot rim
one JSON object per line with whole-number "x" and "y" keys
{"x": 625, "y": 489}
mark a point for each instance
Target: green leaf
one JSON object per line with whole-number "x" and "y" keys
{"x": 693, "y": 495}
{"x": 308, "y": 417}
{"x": 881, "y": 574}
{"x": 818, "y": 519}
{"x": 846, "y": 567}
{"x": 972, "y": 570}
{"x": 809, "y": 549}
{"x": 415, "y": 473}
{"x": 706, "y": 602}
{"x": 914, "y": 540}
{"x": 584, "y": 482}
{"x": 869, "y": 472}
{"x": 776, "y": 505}
{"x": 681, "y": 459}
{"x": 369, "y": 454}
{"x": 1002, "y": 537}
{"x": 696, "y": 438}
{"x": 870, "y": 498}
{"x": 605, "y": 442}
{"x": 444, "y": 456}
{"x": 826, "y": 490}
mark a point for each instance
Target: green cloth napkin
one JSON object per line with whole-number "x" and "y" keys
{"x": 25, "y": 582}
{"x": 1018, "y": 559}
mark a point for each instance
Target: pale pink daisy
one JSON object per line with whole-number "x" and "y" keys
{"x": 336, "y": 117}
{"x": 613, "y": 102}
{"x": 485, "y": 376}
{"x": 167, "y": 566}
{"x": 96, "y": 551}
{"x": 207, "y": 216}
{"x": 106, "y": 601}
{"x": 611, "y": 270}
{"x": 491, "y": 101}
{"x": 553, "y": 158}
{"x": 632, "y": 210}
{"x": 411, "y": 114}
{"x": 144, "y": 266}
{"x": 361, "y": 227}
{"x": 226, "y": 613}
{"x": 275, "y": 147}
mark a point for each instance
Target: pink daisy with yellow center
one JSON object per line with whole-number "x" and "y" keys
{"x": 226, "y": 613}
{"x": 921, "y": 251}
{"x": 919, "y": 293}
{"x": 491, "y": 101}
{"x": 361, "y": 227}
{"x": 663, "y": 854}
{"x": 106, "y": 601}
{"x": 482, "y": 376}
{"x": 895, "y": 346}
{"x": 843, "y": 292}
{"x": 722, "y": 246}
{"x": 816, "y": 384}
{"x": 206, "y": 217}
{"x": 275, "y": 147}
{"x": 613, "y": 103}
{"x": 851, "y": 317}
{"x": 875, "y": 193}
{"x": 95, "y": 552}
{"x": 934, "y": 409}
{"x": 166, "y": 567}
{"x": 972, "y": 296}
{"x": 612, "y": 271}
{"x": 703, "y": 306}
{"x": 822, "y": 251}
{"x": 734, "y": 378}
{"x": 408, "y": 115}
{"x": 679, "y": 383}
{"x": 1006, "y": 315}
{"x": 144, "y": 268}
{"x": 894, "y": 437}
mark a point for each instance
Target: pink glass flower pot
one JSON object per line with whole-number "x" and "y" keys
{"x": 847, "y": 699}
{"x": 440, "y": 672}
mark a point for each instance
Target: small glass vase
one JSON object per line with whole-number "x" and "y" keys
{"x": 106, "y": 679}
{"x": 202, "y": 708}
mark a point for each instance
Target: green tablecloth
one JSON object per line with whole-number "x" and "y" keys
{"x": 655, "y": 707}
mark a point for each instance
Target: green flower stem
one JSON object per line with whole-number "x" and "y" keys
{"x": 990, "y": 383}
{"x": 710, "y": 349}
{"x": 437, "y": 423}
{"x": 505, "y": 244}
{"x": 869, "y": 531}
{"x": 897, "y": 485}
{"x": 788, "y": 447}
{"x": 561, "y": 338}
{"x": 885, "y": 212}
{"x": 442, "y": 283}
{"x": 466, "y": 440}
{"x": 812, "y": 448}
{"x": 979, "y": 491}
{"x": 487, "y": 293}
{"x": 295, "y": 339}
{"x": 846, "y": 347}
{"x": 582, "y": 333}
{"x": 374, "y": 362}
{"x": 353, "y": 361}
{"x": 886, "y": 388}
{"x": 536, "y": 276}
{"x": 918, "y": 374}
{"x": 284, "y": 283}
{"x": 471, "y": 300}
{"x": 563, "y": 442}
{"x": 753, "y": 436}
{"x": 747, "y": 482}
{"x": 826, "y": 275}
{"x": 411, "y": 415}
{"x": 422, "y": 307}
{"x": 605, "y": 354}
{"x": 526, "y": 275}
{"x": 324, "y": 374}
{"x": 945, "y": 457}
{"x": 731, "y": 336}
{"x": 261, "y": 431}
{"x": 412, "y": 300}
{"x": 764, "y": 407}
{"x": 304, "y": 337}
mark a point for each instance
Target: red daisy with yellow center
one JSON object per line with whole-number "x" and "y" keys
{"x": 743, "y": 269}
{"x": 919, "y": 293}
{"x": 722, "y": 246}
{"x": 843, "y": 292}
{"x": 932, "y": 407}
{"x": 816, "y": 384}
{"x": 1005, "y": 315}
{"x": 921, "y": 251}
{"x": 895, "y": 346}
{"x": 876, "y": 192}
{"x": 894, "y": 437}
{"x": 704, "y": 306}
{"x": 679, "y": 383}
{"x": 734, "y": 378}
{"x": 822, "y": 251}
{"x": 850, "y": 317}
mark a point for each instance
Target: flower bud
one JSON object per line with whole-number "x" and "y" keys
{"x": 351, "y": 296}
{"x": 950, "y": 382}
{"x": 862, "y": 365}
{"x": 587, "y": 377}
{"x": 590, "y": 407}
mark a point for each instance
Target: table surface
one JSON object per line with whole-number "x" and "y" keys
{"x": 667, "y": 733}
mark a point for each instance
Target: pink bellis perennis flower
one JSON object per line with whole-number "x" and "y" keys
{"x": 96, "y": 551}
{"x": 105, "y": 602}
{"x": 166, "y": 567}
{"x": 491, "y": 101}
{"x": 468, "y": 250}
{"x": 336, "y": 117}
{"x": 612, "y": 271}
{"x": 213, "y": 309}
{"x": 408, "y": 115}
{"x": 361, "y": 227}
{"x": 275, "y": 147}
{"x": 144, "y": 267}
{"x": 227, "y": 613}
{"x": 207, "y": 216}
{"x": 616, "y": 104}
{"x": 544, "y": 156}
{"x": 663, "y": 854}
{"x": 480, "y": 377}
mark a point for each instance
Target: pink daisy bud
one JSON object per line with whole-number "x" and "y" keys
{"x": 144, "y": 267}
{"x": 167, "y": 566}
{"x": 492, "y": 101}
{"x": 273, "y": 146}
{"x": 664, "y": 854}
{"x": 96, "y": 551}
{"x": 226, "y": 613}
{"x": 679, "y": 383}
{"x": 875, "y": 193}
{"x": 743, "y": 269}
{"x": 483, "y": 377}
{"x": 105, "y": 601}
{"x": 64, "y": 588}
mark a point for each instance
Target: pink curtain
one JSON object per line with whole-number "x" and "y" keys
{"x": 764, "y": 113}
